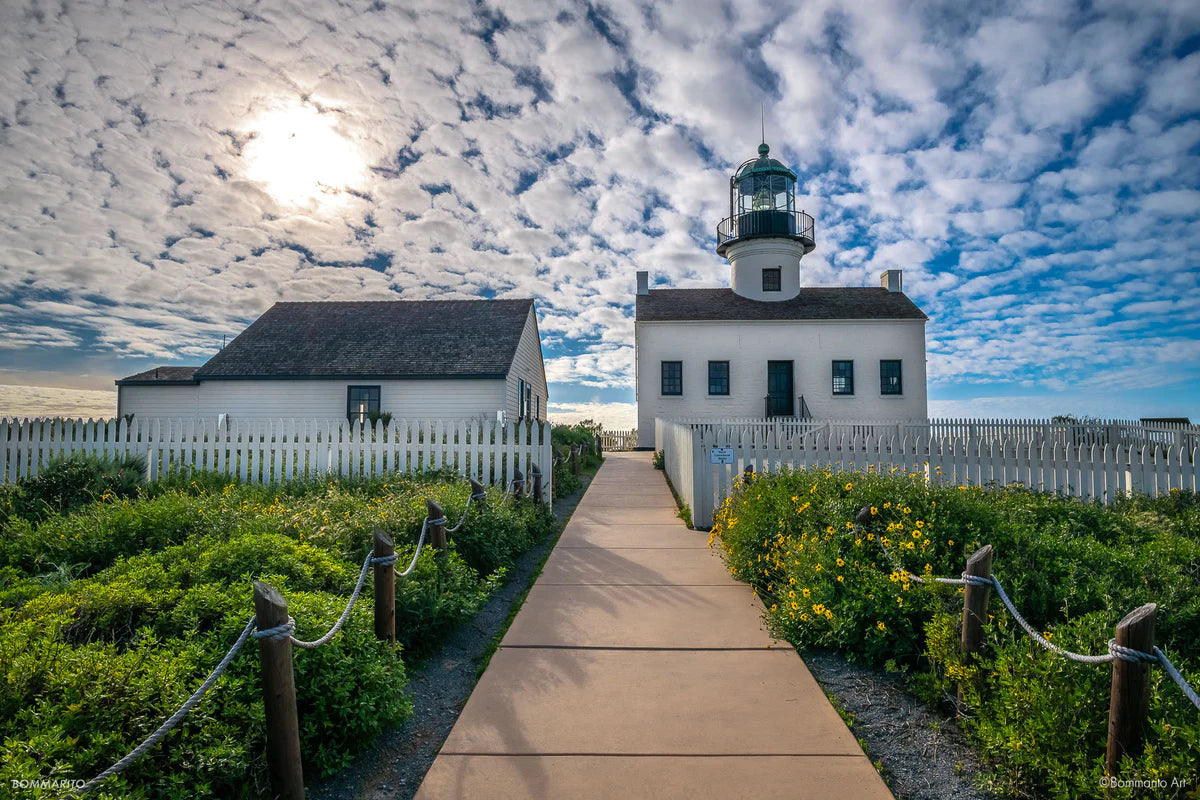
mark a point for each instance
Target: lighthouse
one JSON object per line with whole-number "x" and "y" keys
{"x": 768, "y": 346}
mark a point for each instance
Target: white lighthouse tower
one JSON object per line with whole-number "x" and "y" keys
{"x": 764, "y": 237}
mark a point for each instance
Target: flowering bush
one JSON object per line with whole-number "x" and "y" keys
{"x": 1072, "y": 568}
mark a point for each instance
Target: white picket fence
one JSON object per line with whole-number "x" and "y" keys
{"x": 1090, "y": 471}
{"x": 1112, "y": 432}
{"x": 275, "y": 450}
{"x": 618, "y": 440}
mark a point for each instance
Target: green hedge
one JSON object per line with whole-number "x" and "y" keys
{"x": 1071, "y": 567}
{"x": 111, "y": 616}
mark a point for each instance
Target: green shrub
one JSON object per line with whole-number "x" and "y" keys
{"x": 67, "y": 482}
{"x": 660, "y": 460}
{"x": 1073, "y": 568}
{"x": 111, "y": 615}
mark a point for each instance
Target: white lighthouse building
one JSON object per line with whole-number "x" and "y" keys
{"x": 769, "y": 346}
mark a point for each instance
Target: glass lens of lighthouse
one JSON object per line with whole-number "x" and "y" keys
{"x": 763, "y": 200}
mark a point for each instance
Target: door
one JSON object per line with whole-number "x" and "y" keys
{"x": 780, "y": 394}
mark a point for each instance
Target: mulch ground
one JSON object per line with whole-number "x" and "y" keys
{"x": 923, "y": 753}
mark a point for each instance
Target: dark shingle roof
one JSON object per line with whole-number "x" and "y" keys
{"x": 667, "y": 305}
{"x": 161, "y": 376}
{"x": 376, "y": 339}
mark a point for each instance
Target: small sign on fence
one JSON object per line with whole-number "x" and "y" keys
{"x": 720, "y": 455}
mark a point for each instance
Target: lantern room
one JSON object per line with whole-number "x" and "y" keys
{"x": 762, "y": 203}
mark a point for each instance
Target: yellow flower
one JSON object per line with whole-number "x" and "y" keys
{"x": 889, "y": 503}
{"x": 849, "y": 486}
{"x": 795, "y": 499}
{"x": 874, "y": 511}
{"x": 950, "y": 542}
{"x": 841, "y": 563}
{"x": 907, "y": 510}
{"x": 803, "y": 617}
{"x": 806, "y": 592}
{"x": 881, "y": 626}
{"x": 841, "y": 579}
{"x": 850, "y": 526}
{"x": 818, "y": 568}
{"x": 792, "y": 595}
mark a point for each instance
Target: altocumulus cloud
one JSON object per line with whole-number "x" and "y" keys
{"x": 1032, "y": 167}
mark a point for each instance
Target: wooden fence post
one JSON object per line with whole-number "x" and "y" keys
{"x": 385, "y": 589}
{"x": 975, "y": 599}
{"x": 1129, "y": 700}
{"x": 574, "y": 461}
{"x": 437, "y": 533}
{"x": 479, "y": 493}
{"x": 279, "y": 696}
{"x": 975, "y": 604}
{"x": 599, "y": 445}
{"x": 537, "y": 483}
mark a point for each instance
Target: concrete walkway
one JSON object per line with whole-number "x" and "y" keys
{"x": 638, "y": 668}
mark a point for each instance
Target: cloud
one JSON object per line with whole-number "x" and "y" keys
{"x": 46, "y": 401}
{"x": 551, "y": 150}
{"x": 613, "y": 416}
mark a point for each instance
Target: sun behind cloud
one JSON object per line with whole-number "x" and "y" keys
{"x": 301, "y": 157}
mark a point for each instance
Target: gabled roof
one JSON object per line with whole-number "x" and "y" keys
{"x": 161, "y": 376}
{"x": 376, "y": 339}
{"x": 814, "y": 303}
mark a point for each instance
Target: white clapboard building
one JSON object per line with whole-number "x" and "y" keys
{"x": 769, "y": 346}
{"x": 430, "y": 359}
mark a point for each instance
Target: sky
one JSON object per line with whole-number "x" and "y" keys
{"x": 168, "y": 171}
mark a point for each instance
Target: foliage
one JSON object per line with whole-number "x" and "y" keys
{"x": 1073, "y": 568}
{"x": 562, "y": 439}
{"x": 660, "y": 460}
{"x": 112, "y": 615}
{"x": 68, "y": 482}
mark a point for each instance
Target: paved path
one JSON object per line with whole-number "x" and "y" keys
{"x": 638, "y": 668}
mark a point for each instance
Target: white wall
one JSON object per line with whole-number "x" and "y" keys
{"x": 747, "y": 346}
{"x": 324, "y": 399}
{"x": 528, "y": 366}
{"x": 748, "y": 259}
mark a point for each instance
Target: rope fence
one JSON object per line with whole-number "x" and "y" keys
{"x": 282, "y": 635}
{"x": 1125, "y": 725}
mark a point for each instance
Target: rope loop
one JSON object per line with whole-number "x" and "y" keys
{"x": 1132, "y": 655}
{"x": 978, "y": 580}
{"x": 438, "y": 521}
{"x": 283, "y": 631}
{"x": 384, "y": 561}
{"x": 480, "y": 496}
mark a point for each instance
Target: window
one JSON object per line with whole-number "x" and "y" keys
{"x": 537, "y": 406}
{"x": 520, "y": 398}
{"x": 361, "y": 401}
{"x": 843, "y": 377}
{"x": 889, "y": 378}
{"x": 672, "y": 377}
{"x": 773, "y": 279}
{"x": 718, "y": 377}
{"x": 529, "y": 401}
